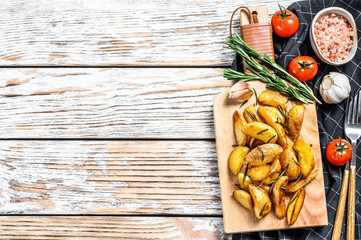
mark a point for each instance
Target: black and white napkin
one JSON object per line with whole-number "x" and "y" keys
{"x": 330, "y": 116}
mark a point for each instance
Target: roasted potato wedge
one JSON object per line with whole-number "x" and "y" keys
{"x": 260, "y": 131}
{"x": 244, "y": 183}
{"x": 293, "y": 187}
{"x": 295, "y": 120}
{"x": 265, "y": 187}
{"x": 275, "y": 172}
{"x": 272, "y": 98}
{"x": 295, "y": 205}
{"x": 288, "y": 158}
{"x": 261, "y": 200}
{"x": 262, "y": 154}
{"x": 236, "y": 158}
{"x": 243, "y": 198}
{"x": 278, "y": 197}
{"x": 270, "y": 116}
{"x": 253, "y": 142}
{"x": 259, "y": 173}
{"x": 305, "y": 156}
{"x": 250, "y": 114}
{"x": 239, "y": 122}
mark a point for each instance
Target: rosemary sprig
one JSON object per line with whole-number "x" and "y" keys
{"x": 274, "y": 182}
{"x": 284, "y": 188}
{"x": 256, "y": 96}
{"x": 294, "y": 198}
{"x": 260, "y": 213}
{"x": 283, "y": 125}
{"x": 271, "y": 138}
{"x": 245, "y": 174}
{"x": 283, "y": 112}
{"x": 251, "y": 116}
{"x": 299, "y": 91}
{"x": 262, "y": 131}
{"x": 262, "y": 153}
{"x": 243, "y": 104}
{"x": 298, "y": 179}
{"x": 296, "y": 162}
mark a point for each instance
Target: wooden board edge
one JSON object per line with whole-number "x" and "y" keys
{"x": 323, "y": 221}
{"x": 218, "y": 146}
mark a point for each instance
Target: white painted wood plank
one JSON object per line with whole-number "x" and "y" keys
{"x": 109, "y": 177}
{"x": 108, "y": 103}
{"x": 182, "y": 228}
{"x": 118, "y": 32}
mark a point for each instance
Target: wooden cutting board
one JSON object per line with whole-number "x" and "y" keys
{"x": 235, "y": 217}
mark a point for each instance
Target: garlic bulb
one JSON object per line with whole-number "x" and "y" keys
{"x": 241, "y": 92}
{"x": 335, "y": 87}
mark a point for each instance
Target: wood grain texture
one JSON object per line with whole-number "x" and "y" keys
{"x": 112, "y": 228}
{"x": 109, "y": 177}
{"x": 350, "y": 230}
{"x": 109, "y": 103}
{"x": 118, "y": 32}
{"x": 314, "y": 210}
{"x": 336, "y": 234}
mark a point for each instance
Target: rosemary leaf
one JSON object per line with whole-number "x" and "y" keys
{"x": 264, "y": 130}
{"x": 261, "y": 212}
{"x": 262, "y": 153}
{"x": 296, "y": 162}
{"x": 251, "y": 116}
{"x": 245, "y": 174}
{"x": 294, "y": 198}
{"x": 271, "y": 138}
{"x": 274, "y": 182}
{"x": 298, "y": 179}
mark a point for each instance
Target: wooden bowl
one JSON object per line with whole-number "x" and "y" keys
{"x": 350, "y": 19}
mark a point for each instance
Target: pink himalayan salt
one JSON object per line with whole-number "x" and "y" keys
{"x": 334, "y": 36}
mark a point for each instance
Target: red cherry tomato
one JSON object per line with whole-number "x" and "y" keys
{"x": 284, "y": 23}
{"x": 339, "y": 152}
{"x": 303, "y": 68}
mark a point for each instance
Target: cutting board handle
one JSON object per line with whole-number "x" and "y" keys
{"x": 251, "y": 21}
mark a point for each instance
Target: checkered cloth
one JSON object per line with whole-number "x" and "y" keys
{"x": 330, "y": 116}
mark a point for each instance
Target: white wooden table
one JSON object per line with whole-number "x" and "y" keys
{"x": 106, "y": 117}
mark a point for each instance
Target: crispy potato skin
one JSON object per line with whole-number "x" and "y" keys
{"x": 302, "y": 182}
{"x": 235, "y": 160}
{"x": 270, "y": 116}
{"x": 293, "y": 171}
{"x": 295, "y": 120}
{"x": 244, "y": 184}
{"x": 270, "y": 151}
{"x": 239, "y": 122}
{"x": 251, "y": 111}
{"x": 278, "y": 197}
{"x": 265, "y": 187}
{"x": 261, "y": 201}
{"x": 253, "y": 142}
{"x": 295, "y": 206}
{"x": 243, "y": 198}
{"x": 274, "y": 173}
{"x": 272, "y": 98}
{"x": 259, "y": 173}
{"x": 260, "y": 131}
{"x": 305, "y": 156}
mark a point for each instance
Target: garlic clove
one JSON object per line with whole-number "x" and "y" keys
{"x": 241, "y": 92}
{"x": 335, "y": 87}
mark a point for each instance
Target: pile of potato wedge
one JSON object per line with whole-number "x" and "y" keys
{"x": 271, "y": 159}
